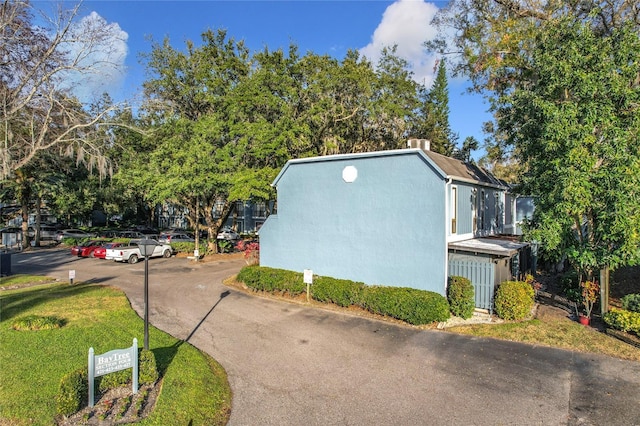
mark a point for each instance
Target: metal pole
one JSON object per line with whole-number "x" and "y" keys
{"x": 146, "y": 302}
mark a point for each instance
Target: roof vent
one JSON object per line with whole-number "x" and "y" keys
{"x": 423, "y": 144}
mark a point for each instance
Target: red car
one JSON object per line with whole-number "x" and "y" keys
{"x": 86, "y": 249}
{"x": 101, "y": 252}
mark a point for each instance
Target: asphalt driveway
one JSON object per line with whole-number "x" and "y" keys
{"x": 291, "y": 364}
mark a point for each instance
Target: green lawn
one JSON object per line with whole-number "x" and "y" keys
{"x": 559, "y": 333}
{"x": 195, "y": 390}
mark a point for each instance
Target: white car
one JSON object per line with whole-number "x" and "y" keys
{"x": 131, "y": 253}
{"x": 228, "y": 234}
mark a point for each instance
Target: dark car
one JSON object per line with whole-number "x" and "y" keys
{"x": 130, "y": 234}
{"x": 109, "y": 233}
{"x": 86, "y": 249}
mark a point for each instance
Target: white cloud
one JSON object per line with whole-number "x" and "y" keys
{"x": 406, "y": 23}
{"x": 99, "y": 50}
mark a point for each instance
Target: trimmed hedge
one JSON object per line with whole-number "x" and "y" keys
{"x": 514, "y": 300}
{"x": 461, "y": 297}
{"x": 188, "y": 247}
{"x": 406, "y": 304}
{"x": 272, "y": 280}
{"x": 72, "y": 393}
{"x": 147, "y": 368}
{"x": 341, "y": 292}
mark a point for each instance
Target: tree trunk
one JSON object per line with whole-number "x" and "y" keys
{"x": 25, "y": 224}
{"x": 38, "y": 220}
{"x": 213, "y": 226}
{"x": 604, "y": 290}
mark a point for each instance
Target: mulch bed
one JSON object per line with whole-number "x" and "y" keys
{"x": 116, "y": 406}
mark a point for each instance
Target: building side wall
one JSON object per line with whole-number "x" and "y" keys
{"x": 385, "y": 228}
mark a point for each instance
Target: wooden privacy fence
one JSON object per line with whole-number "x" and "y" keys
{"x": 482, "y": 276}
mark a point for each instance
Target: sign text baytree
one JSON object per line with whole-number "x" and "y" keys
{"x": 110, "y": 362}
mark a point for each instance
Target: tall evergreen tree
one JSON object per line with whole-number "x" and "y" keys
{"x": 433, "y": 119}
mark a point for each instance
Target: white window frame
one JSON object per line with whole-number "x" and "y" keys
{"x": 453, "y": 227}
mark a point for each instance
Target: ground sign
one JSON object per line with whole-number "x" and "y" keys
{"x": 110, "y": 362}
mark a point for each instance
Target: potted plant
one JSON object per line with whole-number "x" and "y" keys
{"x": 590, "y": 290}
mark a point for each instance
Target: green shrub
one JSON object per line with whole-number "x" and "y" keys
{"x": 250, "y": 276}
{"x": 341, "y": 292}
{"x": 285, "y": 281}
{"x": 514, "y": 300}
{"x": 37, "y": 322}
{"x": 407, "y": 304}
{"x": 147, "y": 369}
{"x": 114, "y": 380}
{"x": 570, "y": 286}
{"x": 72, "y": 393}
{"x": 74, "y": 241}
{"x": 461, "y": 297}
{"x": 273, "y": 280}
{"x": 188, "y": 247}
{"x": 631, "y": 302}
{"x": 622, "y": 319}
{"x": 225, "y": 246}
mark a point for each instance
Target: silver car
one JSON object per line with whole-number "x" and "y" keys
{"x": 46, "y": 232}
{"x": 175, "y": 237}
{"x": 73, "y": 233}
{"x": 228, "y": 234}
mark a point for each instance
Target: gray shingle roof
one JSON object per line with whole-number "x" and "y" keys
{"x": 457, "y": 169}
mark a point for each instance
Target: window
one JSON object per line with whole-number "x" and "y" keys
{"x": 218, "y": 207}
{"x": 239, "y": 208}
{"x": 474, "y": 209}
{"x": 497, "y": 209}
{"x": 260, "y": 209}
{"x": 454, "y": 209}
{"x": 481, "y": 210}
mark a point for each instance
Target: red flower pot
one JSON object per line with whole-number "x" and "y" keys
{"x": 584, "y": 320}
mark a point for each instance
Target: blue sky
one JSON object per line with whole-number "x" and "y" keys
{"x": 322, "y": 27}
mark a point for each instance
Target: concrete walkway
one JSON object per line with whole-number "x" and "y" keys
{"x": 291, "y": 364}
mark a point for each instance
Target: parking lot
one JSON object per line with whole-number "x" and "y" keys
{"x": 290, "y": 364}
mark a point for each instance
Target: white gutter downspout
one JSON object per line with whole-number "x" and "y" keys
{"x": 447, "y": 188}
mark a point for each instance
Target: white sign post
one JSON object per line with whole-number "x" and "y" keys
{"x": 308, "y": 280}
{"x": 72, "y": 275}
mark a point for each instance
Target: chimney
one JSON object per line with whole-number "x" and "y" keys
{"x": 423, "y": 144}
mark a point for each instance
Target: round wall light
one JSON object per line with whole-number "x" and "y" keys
{"x": 349, "y": 174}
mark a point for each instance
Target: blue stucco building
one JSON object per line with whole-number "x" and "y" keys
{"x": 388, "y": 218}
